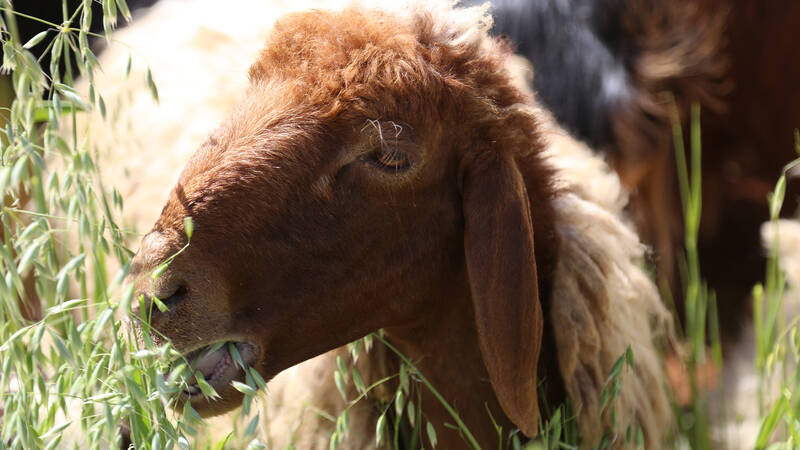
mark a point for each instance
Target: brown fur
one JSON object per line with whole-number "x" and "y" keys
{"x": 730, "y": 57}
{"x": 302, "y": 243}
{"x": 746, "y": 145}
{"x": 677, "y": 61}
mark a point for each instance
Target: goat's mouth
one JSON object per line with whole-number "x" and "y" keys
{"x": 216, "y": 364}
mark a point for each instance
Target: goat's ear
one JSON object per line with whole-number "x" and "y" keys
{"x": 498, "y": 241}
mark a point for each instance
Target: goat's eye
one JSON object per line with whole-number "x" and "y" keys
{"x": 389, "y": 157}
{"x": 389, "y": 145}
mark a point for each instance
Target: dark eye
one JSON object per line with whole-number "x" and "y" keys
{"x": 389, "y": 157}
{"x": 390, "y": 146}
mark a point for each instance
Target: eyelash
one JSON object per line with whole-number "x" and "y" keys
{"x": 388, "y": 150}
{"x": 391, "y": 159}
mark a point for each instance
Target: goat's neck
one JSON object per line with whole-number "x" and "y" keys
{"x": 443, "y": 344}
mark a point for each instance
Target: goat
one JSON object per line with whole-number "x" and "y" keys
{"x": 383, "y": 171}
{"x": 603, "y": 81}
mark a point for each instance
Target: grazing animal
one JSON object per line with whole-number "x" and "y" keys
{"x": 384, "y": 171}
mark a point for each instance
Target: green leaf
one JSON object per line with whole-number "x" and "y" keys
{"x": 616, "y": 369}
{"x": 159, "y": 271}
{"x": 64, "y": 306}
{"x": 251, "y": 427}
{"x": 337, "y": 378}
{"x": 629, "y": 357}
{"x": 399, "y": 403}
{"x": 243, "y": 388}
{"x": 340, "y": 364}
{"x": 35, "y": 40}
{"x": 190, "y": 413}
{"x": 358, "y": 381}
{"x": 159, "y": 304}
{"x": 236, "y": 356}
{"x": 73, "y": 263}
{"x": 188, "y": 226}
{"x": 404, "y": 378}
{"x": 151, "y": 85}
{"x": 776, "y": 199}
{"x": 5, "y": 177}
{"x": 72, "y": 95}
{"x": 26, "y": 259}
{"x": 28, "y": 232}
{"x": 144, "y": 353}
{"x": 183, "y": 443}
{"x": 255, "y": 444}
{"x": 102, "y": 104}
{"x": 431, "y": 434}
{"x": 380, "y": 430}
{"x": 123, "y": 8}
{"x": 259, "y": 380}
{"x": 109, "y": 15}
{"x": 56, "y": 429}
{"x": 62, "y": 348}
{"x": 411, "y": 412}
{"x": 100, "y": 323}
{"x": 127, "y": 298}
{"x": 207, "y": 390}
{"x": 52, "y": 445}
{"x": 770, "y": 422}
{"x": 128, "y": 66}
{"x": 20, "y": 170}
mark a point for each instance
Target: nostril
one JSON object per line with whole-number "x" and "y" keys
{"x": 172, "y": 300}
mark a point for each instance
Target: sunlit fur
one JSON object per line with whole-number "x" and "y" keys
{"x": 392, "y": 251}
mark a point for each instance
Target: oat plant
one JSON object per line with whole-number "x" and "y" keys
{"x": 73, "y": 376}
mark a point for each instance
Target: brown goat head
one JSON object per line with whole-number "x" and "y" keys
{"x": 377, "y": 173}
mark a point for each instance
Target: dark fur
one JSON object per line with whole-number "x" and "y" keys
{"x": 579, "y": 75}
{"x": 731, "y": 57}
{"x": 747, "y": 144}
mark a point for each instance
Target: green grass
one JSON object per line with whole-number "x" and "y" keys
{"x": 70, "y": 378}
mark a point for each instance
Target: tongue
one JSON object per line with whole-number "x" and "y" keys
{"x": 208, "y": 362}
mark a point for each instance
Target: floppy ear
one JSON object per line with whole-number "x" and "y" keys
{"x": 498, "y": 241}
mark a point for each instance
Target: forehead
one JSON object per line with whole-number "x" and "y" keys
{"x": 418, "y": 65}
{"x": 324, "y": 75}
{"x": 320, "y": 78}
